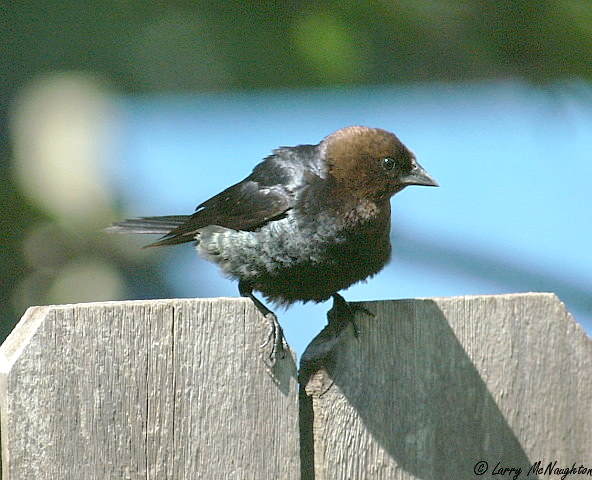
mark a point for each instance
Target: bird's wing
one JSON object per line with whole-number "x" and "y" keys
{"x": 266, "y": 194}
{"x": 243, "y": 206}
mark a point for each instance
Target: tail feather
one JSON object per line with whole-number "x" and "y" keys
{"x": 153, "y": 225}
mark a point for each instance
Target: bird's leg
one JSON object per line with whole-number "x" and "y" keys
{"x": 275, "y": 335}
{"x": 319, "y": 353}
{"x": 343, "y": 310}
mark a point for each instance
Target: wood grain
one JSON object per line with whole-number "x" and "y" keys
{"x": 165, "y": 389}
{"x": 433, "y": 386}
{"x": 177, "y": 389}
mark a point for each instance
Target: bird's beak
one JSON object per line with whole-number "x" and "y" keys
{"x": 418, "y": 176}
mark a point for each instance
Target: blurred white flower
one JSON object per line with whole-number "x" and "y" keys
{"x": 61, "y": 134}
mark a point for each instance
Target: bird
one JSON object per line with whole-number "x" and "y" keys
{"x": 308, "y": 222}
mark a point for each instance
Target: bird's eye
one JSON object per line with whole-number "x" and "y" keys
{"x": 388, "y": 163}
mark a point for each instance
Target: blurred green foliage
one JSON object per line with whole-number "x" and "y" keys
{"x": 197, "y": 45}
{"x": 194, "y": 45}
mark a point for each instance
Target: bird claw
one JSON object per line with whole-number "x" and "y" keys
{"x": 275, "y": 334}
{"x": 275, "y": 337}
{"x": 343, "y": 310}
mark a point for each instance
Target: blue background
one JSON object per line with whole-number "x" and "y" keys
{"x": 513, "y": 161}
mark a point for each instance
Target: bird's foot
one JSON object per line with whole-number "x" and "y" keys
{"x": 275, "y": 335}
{"x": 276, "y": 339}
{"x": 343, "y": 311}
{"x": 318, "y": 356}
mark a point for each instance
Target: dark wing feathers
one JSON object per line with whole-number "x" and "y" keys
{"x": 243, "y": 206}
{"x": 264, "y": 195}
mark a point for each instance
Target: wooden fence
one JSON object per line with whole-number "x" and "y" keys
{"x": 431, "y": 389}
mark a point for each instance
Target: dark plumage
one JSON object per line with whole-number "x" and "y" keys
{"x": 307, "y": 222}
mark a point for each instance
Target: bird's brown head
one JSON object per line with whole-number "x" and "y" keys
{"x": 371, "y": 163}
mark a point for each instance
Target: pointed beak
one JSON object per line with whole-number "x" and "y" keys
{"x": 418, "y": 176}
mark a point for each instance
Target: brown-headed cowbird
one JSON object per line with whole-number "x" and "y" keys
{"x": 307, "y": 222}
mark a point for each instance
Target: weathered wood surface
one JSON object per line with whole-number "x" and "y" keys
{"x": 167, "y": 389}
{"x": 177, "y": 389}
{"x": 431, "y": 387}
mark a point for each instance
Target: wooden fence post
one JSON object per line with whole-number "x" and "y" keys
{"x": 431, "y": 389}
{"x": 165, "y": 389}
{"x": 451, "y": 388}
